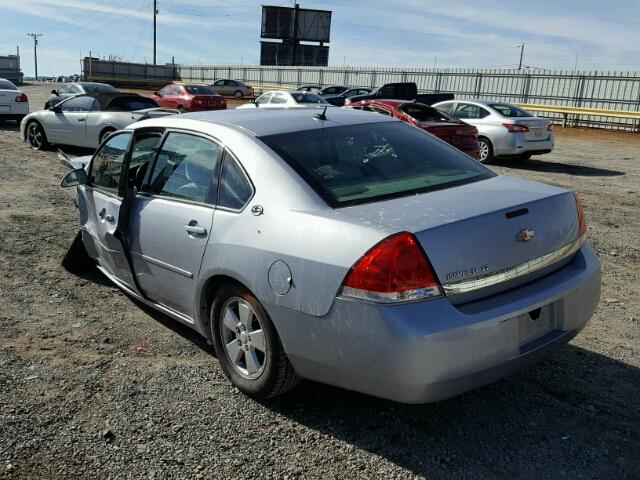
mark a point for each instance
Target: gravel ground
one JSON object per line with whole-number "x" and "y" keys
{"x": 93, "y": 384}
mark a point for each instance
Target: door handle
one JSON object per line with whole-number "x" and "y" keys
{"x": 194, "y": 229}
{"x": 81, "y": 119}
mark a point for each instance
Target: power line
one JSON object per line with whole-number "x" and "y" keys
{"x": 35, "y": 49}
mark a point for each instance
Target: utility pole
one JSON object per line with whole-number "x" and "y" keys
{"x": 521, "y": 55}
{"x": 35, "y": 49}
{"x": 155, "y": 14}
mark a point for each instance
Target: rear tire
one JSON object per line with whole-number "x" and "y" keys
{"x": 247, "y": 344}
{"x": 485, "y": 150}
{"x": 36, "y": 138}
{"x": 181, "y": 109}
{"x": 77, "y": 260}
{"x": 238, "y": 94}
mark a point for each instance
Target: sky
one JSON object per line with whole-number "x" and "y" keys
{"x": 558, "y": 34}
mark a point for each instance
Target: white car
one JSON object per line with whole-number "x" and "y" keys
{"x": 503, "y": 129}
{"x": 14, "y": 105}
{"x": 280, "y": 99}
{"x": 86, "y": 120}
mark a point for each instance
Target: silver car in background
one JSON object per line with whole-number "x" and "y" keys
{"x": 281, "y": 99}
{"x": 86, "y": 120}
{"x": 503, "y": 129}
{"x": 231, "y": 88}
{"x": 347, "y": 247}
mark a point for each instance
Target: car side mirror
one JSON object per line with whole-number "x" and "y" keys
{"x": 75, "y": 178}
{"x": 54, "y": 92}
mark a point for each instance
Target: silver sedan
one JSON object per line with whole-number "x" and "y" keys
{"x": 503, "y": 129}
{"x": 340, "y": 246}
{"x": 86, "y": 120}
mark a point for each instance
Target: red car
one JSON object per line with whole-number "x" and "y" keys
{"x": 453, "y": 131}
{"x": 189, "y": 98}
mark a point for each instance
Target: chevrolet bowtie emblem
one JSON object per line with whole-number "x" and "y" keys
{"x": 525, "y": 235}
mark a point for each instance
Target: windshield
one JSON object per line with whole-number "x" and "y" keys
{"x": 423, "y": 113}
{"x": 308, "y": 98}
{"x": 509, "y": 110}
{"x": 7, "y": 85}
{"x": 131, "y": 104}
{"x": 98, "y": 88}
{"x": 199, "y": 90}
{"x": 354, "y": 164}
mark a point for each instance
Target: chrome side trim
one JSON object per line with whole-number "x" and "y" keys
{"x": 165, "y": 265}
{"x": 510, "y": 273}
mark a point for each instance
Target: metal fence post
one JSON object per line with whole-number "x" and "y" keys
{"x": 438, "y": 82}
{"x": 374, "y": 74}
{"x": 526, "y": 88}
{"x": 478, "y": 84}
{"x": 299, "y": 76}
{"x": 320, "y": 76}
{"x": 279, "y": 77}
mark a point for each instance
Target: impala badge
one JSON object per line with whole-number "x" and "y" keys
{"x": 525, "y": 235}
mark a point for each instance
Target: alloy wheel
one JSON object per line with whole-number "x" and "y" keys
{"x": 34, "y": 136}
{"x": 243, "y": 338}
{"x": 484, "y": 150}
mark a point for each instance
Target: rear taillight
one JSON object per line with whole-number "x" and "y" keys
{"x": 22, "y": 98}
{"x": 395, "y": 270}
{"x": 513, "y": 128}
{"x": 582, "y": 220}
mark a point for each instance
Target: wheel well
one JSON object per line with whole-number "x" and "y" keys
{"x": 482, "y": 137}
{"x": 105, "y": 130}
{"x": 207, "y": 295}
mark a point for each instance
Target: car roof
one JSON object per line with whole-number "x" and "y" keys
{"x": 91, "y": 83}
{"x": 262, "y": 122}
{"x": 105, "y": 99}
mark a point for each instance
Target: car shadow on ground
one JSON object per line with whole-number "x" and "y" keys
{"x": 563, "y": 413}
{"x": 557, "y": 167}
{"x": 9, "y": 126}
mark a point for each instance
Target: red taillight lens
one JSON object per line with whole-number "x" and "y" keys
{"x": 22, "y": 98}
{"x": 395, "y": 270}
{"x": 582, "y": 220}
{"x": 513, "y": 128}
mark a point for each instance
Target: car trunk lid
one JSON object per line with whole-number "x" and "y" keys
{"x": 472, "y": 230}
{"x": 451, "y": 132}
{"x": 538, "y": 128}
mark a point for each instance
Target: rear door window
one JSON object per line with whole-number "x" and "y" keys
{"x": 278, "y": 98}
{"x": 186, "y": 168}
{"x": 235, "y": 190}
{"x": 467, "y": 110}
{"x": 446, "y": 107}
{"x": 78, "y": 104}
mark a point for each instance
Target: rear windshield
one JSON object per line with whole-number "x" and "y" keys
{"x": 308, "y": 98}
{"x": 131, "y": 104}
{"x": 98, "y": 88}
{"x": 199, "y": 90}
{"x": 6, "y": 85}
{"x": 348, "y": 165}
{"x": 423, "y": 113}
{"x": 509, "y": 110}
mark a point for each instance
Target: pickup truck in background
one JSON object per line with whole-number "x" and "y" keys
{"x": 401, "y": 91}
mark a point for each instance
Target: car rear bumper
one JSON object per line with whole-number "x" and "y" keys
{"x": 517, "y": 145}
{"x": 431, "y": 350}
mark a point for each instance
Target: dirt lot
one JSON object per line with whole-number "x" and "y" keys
{"x": 94, "y": 385}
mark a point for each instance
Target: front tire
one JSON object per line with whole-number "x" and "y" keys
{"x": 247, "y": 344}
{"x": 36, "y": 138}
{"x": 237, "y": 94}
{"x": 485, "y": 150}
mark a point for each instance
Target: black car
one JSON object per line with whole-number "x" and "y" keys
{"x": 71, "y": 89}
{"x": 339, "y": 100}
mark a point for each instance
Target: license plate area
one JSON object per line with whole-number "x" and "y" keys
{"x": 536, "y": 324}
{"x": 5, "y": 108}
